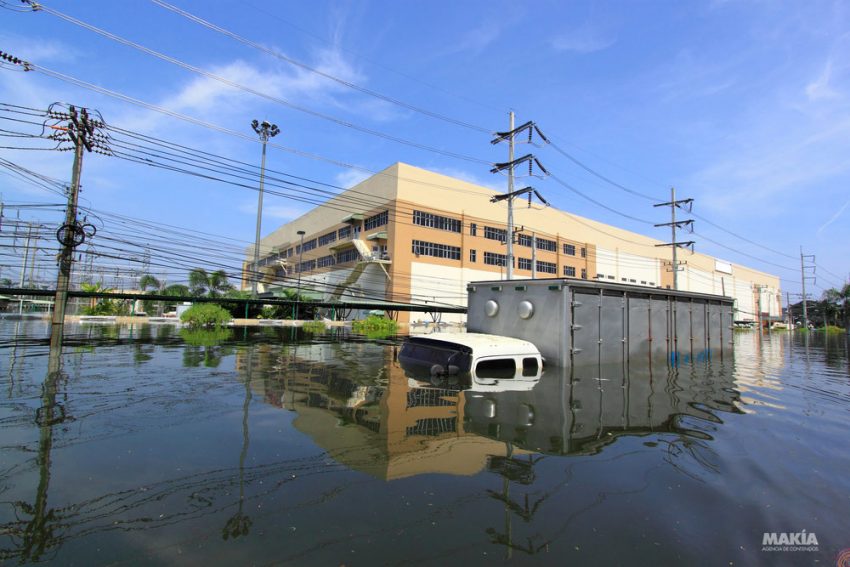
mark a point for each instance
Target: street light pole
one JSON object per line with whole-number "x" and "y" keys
{"x": 301, "y": 233}
{"x": 265, "y": 131}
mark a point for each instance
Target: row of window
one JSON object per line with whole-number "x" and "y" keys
{"x": 436, "y": 221}
{"x": 542, "y": 243}
{"x": 422, "y": 248}
{"x": 542, "y": 267}
{"x": 326, "y": 239}
{"x": 570, "y": 250}
{"x": 492, "y": 233}
{"x": 375, "y": 221}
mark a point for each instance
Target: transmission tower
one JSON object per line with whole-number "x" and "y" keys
{"x": 685, "y": 204}
{"x": 510, "y": 166}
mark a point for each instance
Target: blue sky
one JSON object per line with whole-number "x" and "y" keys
{"x": 741, "y": 105}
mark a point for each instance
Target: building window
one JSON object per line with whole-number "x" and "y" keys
{"x": 288, "y": 253}
{"x": 421, "y": 248}
{"x": 546, "y": 244}
{"x": 436, "y": 221}
{"x": 377, "y": 220}
{"x": 569, "y": 271}
{"x": 524, "y": 263}
{"x": 309, "y": 245}
{"x": 307, "y": 265}
{"x": 584, "y": 252}
{"x": 493, "y": 259}
{"x": 623, "y": 279}
{"x": 348, "y": 255}
{"x": 473, "y": 229}
{"x": 473, "y": 255}
{"x": 326, "y": 239}
{"x": 547, "y": 267}
{"x": 325, "y": 261}
{"x": 569, "y": 249}
{"x": 632, "y": 281}
{"x": 344, "y": 232}
{"x": 600, "y": 276}
{"x": 583, "y": 274}
{"x": 499, "y": 234}
{"x": 610, "y": 277}
{"x": 524, "y": 240}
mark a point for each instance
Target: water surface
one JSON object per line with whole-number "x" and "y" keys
{"x": 271, "y": 447}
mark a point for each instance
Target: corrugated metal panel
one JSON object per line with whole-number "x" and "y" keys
{"x": 583, "y": 323}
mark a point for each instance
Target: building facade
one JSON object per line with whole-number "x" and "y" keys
{"x": 408, "y": 235}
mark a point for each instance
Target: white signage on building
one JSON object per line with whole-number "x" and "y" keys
{"x": 724, "y": 267}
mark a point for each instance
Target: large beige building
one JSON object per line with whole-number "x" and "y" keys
{"x": 409, "y": 235}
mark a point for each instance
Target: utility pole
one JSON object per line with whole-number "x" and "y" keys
{"x": 803, "y": 278}
{"x": 301, "y": 233}
{"x": 265, "y": 131}
{"x": 788, "y": 310}
{"x": 509, "y": 165}
{"x": 24, "y": 269}
{"x": 81, "y": 131}
{"x": 533, "y": 256}
{"x": 674, "y": 224}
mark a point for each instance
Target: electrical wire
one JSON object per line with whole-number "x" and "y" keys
{"x": 274, "y": 53}
{"x": 255, "y": 92}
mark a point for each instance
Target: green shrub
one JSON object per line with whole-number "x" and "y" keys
{"x": 313, "y": 327}
{"x": 375, "y": 327}
{"x": 106, "y": 307}
{"x": 833, "y": 330}
{"x": 205, "y": 315}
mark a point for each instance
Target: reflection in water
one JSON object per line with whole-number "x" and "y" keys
{"x": 393, "y": 427}
{"x": 239, "y": 524}
{"x": 351, "y": 413}
{"x": 34, "y": 531}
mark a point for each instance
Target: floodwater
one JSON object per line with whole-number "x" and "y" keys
{"x": 264, "y": 447}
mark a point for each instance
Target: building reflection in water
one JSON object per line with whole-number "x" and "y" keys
{"x": 355, "y": 401}
{"x": 368, "y": 414}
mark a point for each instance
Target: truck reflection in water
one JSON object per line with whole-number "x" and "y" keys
{"x": 370, "y": 414}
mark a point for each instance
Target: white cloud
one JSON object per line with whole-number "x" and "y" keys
{"x": 820, "y": 88}
{"x": 493, "y": 182}
{"x": 350, "y": 177}
{"x": 38, "y": 50}
{"x": 582, "y": 40}
{"x": 281, "y": 212}
{"x": 834, "y": 217}
{"x": 475, "y": 40}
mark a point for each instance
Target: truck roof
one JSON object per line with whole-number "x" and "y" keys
{"x": 482, "y": 344}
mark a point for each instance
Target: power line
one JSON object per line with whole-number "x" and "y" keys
{"x": 300, "y": 65}
{"x": 255, "y": 92}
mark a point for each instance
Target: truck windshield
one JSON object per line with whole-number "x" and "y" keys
{"x": 425, "y": 353}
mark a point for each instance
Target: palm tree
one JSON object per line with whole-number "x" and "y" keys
{"x": 149, "y": 281}
{"x": 218, "y": 283}
{"x": 199, "y": 282}
{"x": 213, "y": 285}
